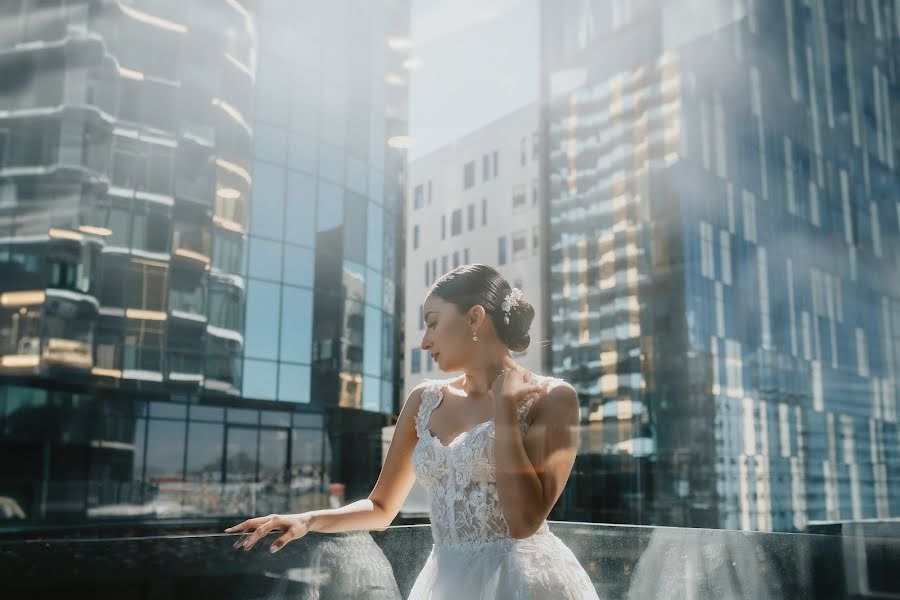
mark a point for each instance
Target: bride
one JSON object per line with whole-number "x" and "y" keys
{"x": 493, "y": 448}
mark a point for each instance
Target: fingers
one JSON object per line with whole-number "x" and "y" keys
{"x": 260, "y": 533}
{"x": 278, "y": 544}
{"x": 246, "y": 524}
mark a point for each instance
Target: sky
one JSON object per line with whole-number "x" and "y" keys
{"x": 478, "y": 61}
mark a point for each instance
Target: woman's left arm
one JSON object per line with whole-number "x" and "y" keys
{"x": 532, "y": 472}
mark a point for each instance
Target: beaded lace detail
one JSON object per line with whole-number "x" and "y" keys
{"x": 460, "y": 477}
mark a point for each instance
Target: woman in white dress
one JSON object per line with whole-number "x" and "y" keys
{"x": 494, "y": 447}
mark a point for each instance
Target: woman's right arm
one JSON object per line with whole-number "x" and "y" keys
{"x": 375, "y": 512}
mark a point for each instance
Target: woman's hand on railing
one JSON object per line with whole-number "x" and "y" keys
{"x": 292, "y": 526}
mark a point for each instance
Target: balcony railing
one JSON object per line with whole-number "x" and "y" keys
{"x": 858, "y": 561}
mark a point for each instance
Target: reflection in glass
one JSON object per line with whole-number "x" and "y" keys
{"x": 330, "y": 206}
{"x": 273, "y": 470}
{"x": 354, "y": 280}
{"x": 374, "y": 288}
{"x": 364, "y": 569}
{"x": 300, "y": 215}
{"x": 351, "y": 343}
{"x": 227, "y": 249}
{"x": 265, "y": 259}
{"x": 187, "y": 292}
{"x": 685, "y": 563}
{"x": 302, "y": 154}
{"x": 307, "y": 483}
{"x": 331, "y": 163}
{"x": 294, "y": 382}
{"x": 270, "y": 143}
{"x": 204, "y": 452}
{"x": 355, "y": 227}
{"x": 371, "y": 393}
{"x": 375, "y": 238}
{"x": 260, "y": 379}
{"x": 372, "y": 355}
{"x": 296, "y": 325}
{"x": 240, "y": 469}
{"x": 263, "y": 309}
{"x": 165, "y": 451}
{"x": 299, "y": 266}
{"x": 267, "y": 208}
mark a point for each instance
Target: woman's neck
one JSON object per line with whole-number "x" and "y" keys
{"x": 477, "y": 383}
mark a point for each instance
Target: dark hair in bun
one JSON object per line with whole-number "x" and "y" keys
{"x": 468, "y": 285}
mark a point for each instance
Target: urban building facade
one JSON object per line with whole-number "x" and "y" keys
{"x": 476, "y": 200}
{"x": 197, "y": 253}
{"x": 724, "y": 250}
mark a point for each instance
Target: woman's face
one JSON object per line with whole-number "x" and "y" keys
{"x": 448, "y": 334}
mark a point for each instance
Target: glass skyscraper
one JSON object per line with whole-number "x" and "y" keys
{"x": 197, "y": 260}
{"x": 725, "y": 257}
{"x": 329, "y": 174}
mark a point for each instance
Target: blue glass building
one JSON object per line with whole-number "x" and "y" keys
{"x": 198, "y": 208}
{"x": 725, "y": 257}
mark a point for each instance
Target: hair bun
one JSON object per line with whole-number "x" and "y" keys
{"x": 516, "y": 333}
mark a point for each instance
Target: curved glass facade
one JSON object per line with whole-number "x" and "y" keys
{"x": 126, "y": 178}
{"x": 321, "y": 263}
{"x": 197, "y": 351}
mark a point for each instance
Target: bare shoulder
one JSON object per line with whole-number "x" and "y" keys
{"x": 414, "y": 398}
{"x": 559, "y": 404}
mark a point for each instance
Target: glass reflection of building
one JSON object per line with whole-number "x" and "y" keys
{"x": 724, "y": 258}
{"x": 322, "y": 251}
{"x": 168, "y": 346}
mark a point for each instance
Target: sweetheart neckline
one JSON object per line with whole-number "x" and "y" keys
{"x": 441, "y": 444}
{"x": 458, "y": 436}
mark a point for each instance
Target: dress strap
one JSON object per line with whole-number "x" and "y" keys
{"x": 525, "y": 407}
{"x": 431, "y": 397}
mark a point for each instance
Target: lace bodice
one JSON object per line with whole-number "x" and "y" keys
{"x": 460, "y": 477}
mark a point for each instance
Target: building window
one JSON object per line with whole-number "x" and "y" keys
{"x": 706, "y": 250}
{"x": 430, "y": 362}
{"x": 484, "y": 211}
{"x": 471, "y": 215}
{"x": 466, "y": 256}
{"x": 519, "y": 245}
{"x": 433, "y": 270}
{"x": 469, "y": 175}
{"x": 415, "y": 360}
{"x": 501, "y": 250}
{"x": 444, "y": 260}
{"x": 429, "y": 191}
{"x": 415, "y": 237}
{"x": 443, "y": 227}
{"x": 496, "y": 163}
{"x": 421, "y": 317}
{"x": 456, "y": 259}
{"x": 418, "y": 198}
{"x": 485, "y": 167}
{"x": 519, "y": 197}
{"x": 534, "y": 192}
{"x": 535, "y": 145}
{"x": 523, "y": 151}
{"x": 535, "y": 238}
{"x": 427, "y": 274}
{"x": 456, "y": 223}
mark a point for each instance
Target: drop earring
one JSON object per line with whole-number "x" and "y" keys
{"x": 474, "y": 337}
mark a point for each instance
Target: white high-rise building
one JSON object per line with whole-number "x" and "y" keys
{"x": 477, "y": 200}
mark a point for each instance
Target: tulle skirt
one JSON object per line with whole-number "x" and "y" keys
{"x": 534, "y": 568}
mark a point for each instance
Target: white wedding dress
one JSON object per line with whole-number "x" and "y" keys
{"x": 473, "y": 556}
